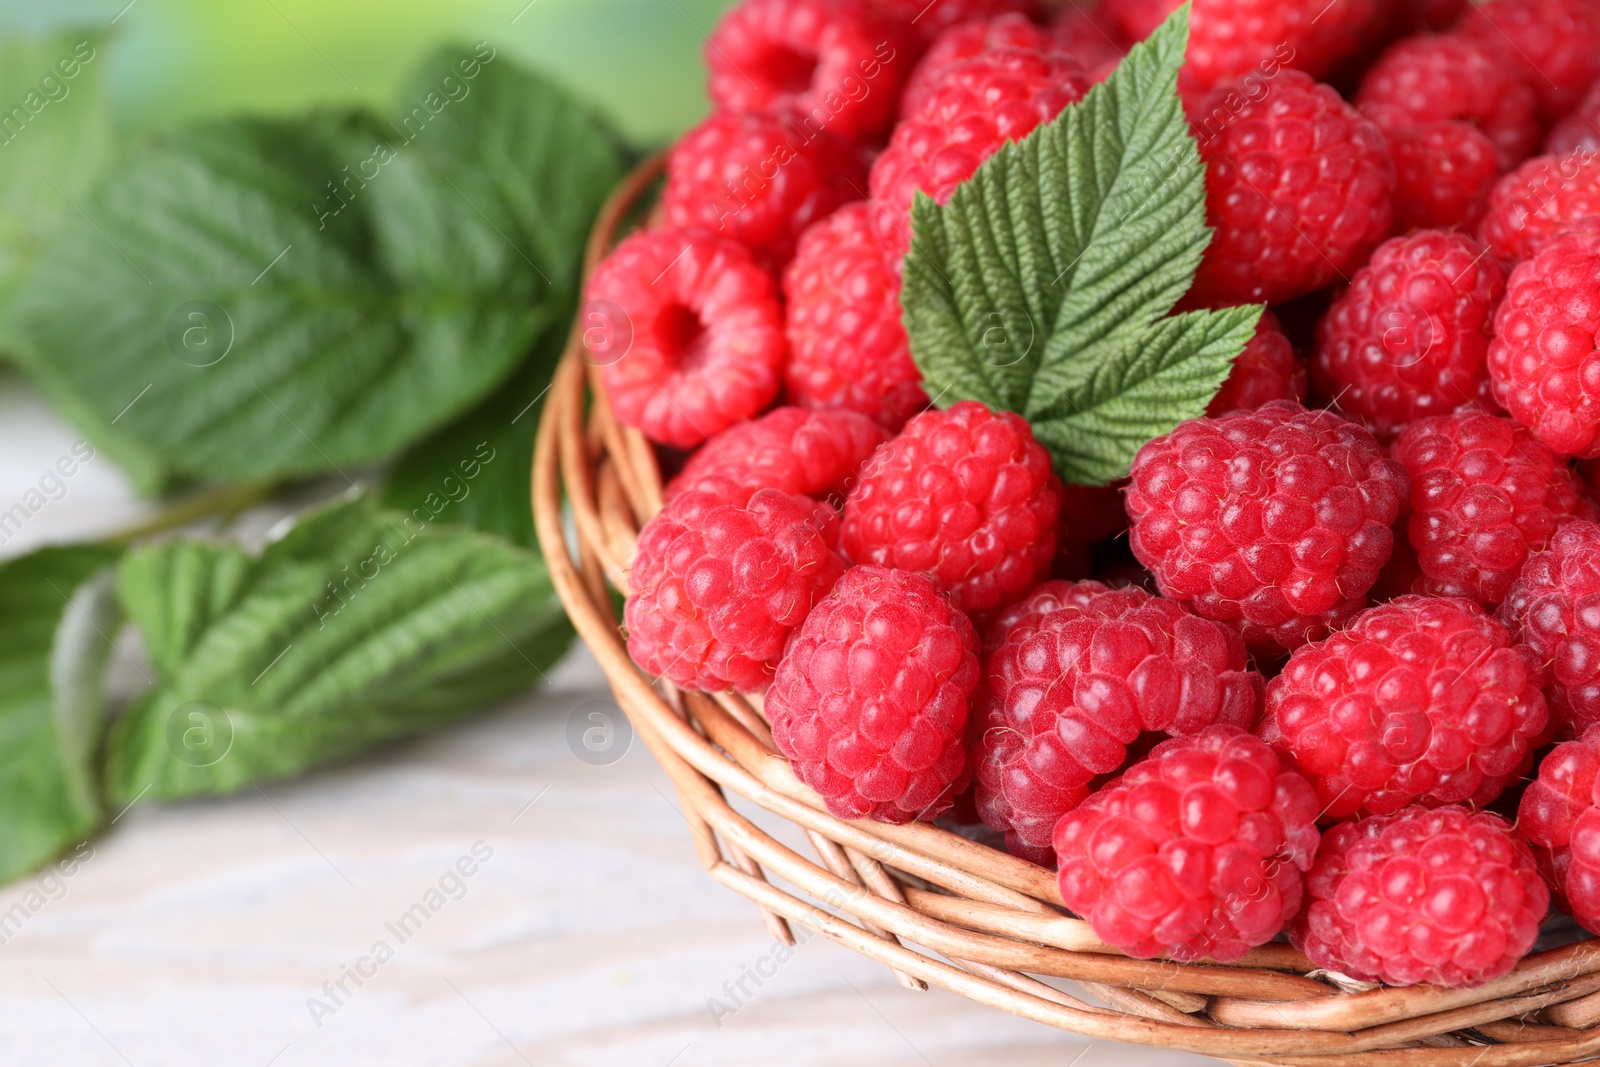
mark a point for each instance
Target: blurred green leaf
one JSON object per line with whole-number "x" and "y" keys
{"x": 359, "y": 625}
{"x": 261, "y": 299}
{"x": 58, "y": 616}
{"x": 55, "y": 133}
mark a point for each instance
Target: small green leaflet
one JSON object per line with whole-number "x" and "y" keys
{"x": 358, "y": 626}
{"x": 1045, "y": 285}
{"x": 264, "y": 299}
{"x": 58, "y": 617}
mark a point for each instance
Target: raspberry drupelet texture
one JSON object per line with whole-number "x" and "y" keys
{"x": 1265, "y": 371}
{"x": 1231, "y": 38}
{"x": 870, "y": 701}
{"x": 928, "y": 21}
{"x": 760, "y": 179}
{"x": 1551, "y": 608}
{"x": 963, "y": 42}
{"x": 1197, "y": 851}
{"x": 847, "y": 344}
{"x": 1299, "y": 189}
{"x": 1420, "y": 699}
{"x": 1456, "y": 118}
{"x": 1579, "y": 132}
{"x": 1484, "y": 494}
{"x": 838, "y": 64}
{"x": 971, "y": 110}
{"x": 964, "y": 496}
{"x": 1553, "y": 44}
{"x": 722, "y": 577}
{"x": 1540, "y": 200}
{"x": 1544, "y": 361}
{"x": 814, "y": 453}
{"x": 1560, "y": 817}
{"x": 1275, "y": 521}
{"x": 1445, "y": 895}
{"x": 687, "y": 329}
{"x": 1080, "y": 674}
{"x": 1409, "y": 337}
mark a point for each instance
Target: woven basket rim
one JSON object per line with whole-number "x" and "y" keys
{"x": 941, "y": 910}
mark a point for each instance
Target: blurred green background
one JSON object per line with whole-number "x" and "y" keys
{"x": 173, "y": 60}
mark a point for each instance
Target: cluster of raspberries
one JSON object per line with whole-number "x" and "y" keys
{"x": 1288, "y": 675}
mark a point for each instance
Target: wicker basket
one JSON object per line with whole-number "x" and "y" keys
{"x": 938, "y": 909}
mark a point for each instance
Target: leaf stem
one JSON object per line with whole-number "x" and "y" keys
{"x": 227, "y": 501}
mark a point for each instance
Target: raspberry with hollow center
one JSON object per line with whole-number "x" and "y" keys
{"x": 1553, "y": 44}
{"x": 721, "y": 578}
{"x": 688, "y": 332}
{"x": 1540, "y": 200}
{"x": 1197, "y": 851}
{"x": 1484, "y": 494}
{"x": 759, "y": 179}
{"x": 1420, "y": 699}
{"x": 870, "y": 701}
{"x": 1551, "y": 607}
{"x": 1299, "y": 189}
{"x": 1265, "y": 371}
{"x": 837, "y": 64}
{"x": 847, "y": 344}
{"x": 1081, "y": 672}
{"x": 1560, "y": 816}
{"x": 1275, "y": 521}
{"x": 964, "y": 496}
{"x": 971, "y": 110}
{"x": 1409, "y": 337}
{"x": 1231, "y": 38}
{"x": 1544, "y": 361}
{"x": 813, "y": 453}
{"x": 1447, "y": 896}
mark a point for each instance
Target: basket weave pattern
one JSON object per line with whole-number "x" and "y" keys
{"x": 941, "y": 910}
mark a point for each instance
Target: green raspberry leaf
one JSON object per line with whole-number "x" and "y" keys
{"x": 58, "y": 617}
{"x": 357, "y": 626}
{"x": 1044, "y": 285}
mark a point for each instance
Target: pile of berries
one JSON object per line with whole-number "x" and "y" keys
{"x": 1284, "y": 679}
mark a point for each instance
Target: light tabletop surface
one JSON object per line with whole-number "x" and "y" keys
{"x": 218, "y": 933}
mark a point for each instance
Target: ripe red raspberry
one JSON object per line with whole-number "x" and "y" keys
{"x": 1299, "y": 189}
{"x": 1456, "y": 118}
{"x": 1409, "y": 337}
{"x": 760, "y": 179}
{"x": 964, "y": 496}
{"x": 722, "y": 577}
{"x": 813, "y": 453}
{"x": 1231, "y": 38}
{"x": 1197, "y": 851}
{"x": 1484, "y": 494}
{"x": 1541, "y": 199}
{"x": 837, "y": 63}
{"x": 1551, "y": 607}
{"x": 1091, "y": 37}
{"x": 1265, "y": 371}
{"x": 1429, "y": 78}
{"x": 870, "y": 701}
{"x": 1420, "y": 699}
{"x": 973, "y": 109}
{"x": 965, "y": 41}
{"x": 929, "y": 20}
{"x": 1080, "y": 674}
{"x": 688, "y": 332}
{"x": 1275, "y": 521}
{"x": 1553, "y": 44}
{"x": 1544, "y": 361}
{"x": 1579, "y": 132}
{"x": 1446, "y": 895}
{"x": 1560, "y": 816}
{"x": 847, "y": 345}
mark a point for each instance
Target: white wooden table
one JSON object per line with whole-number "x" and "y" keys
{"x": 217, "y": 933}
